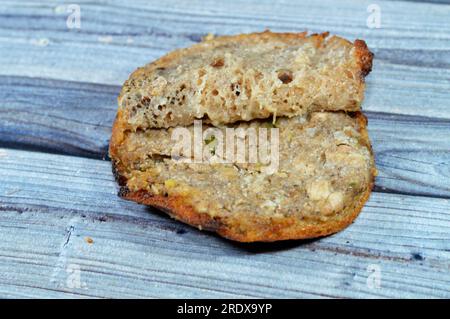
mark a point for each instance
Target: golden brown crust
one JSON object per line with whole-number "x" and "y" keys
{"x": 364, "y": 57}
{"x": 253, "y": 228}
{"x": 117, "y": 137}
{"x": 267, "y": 36}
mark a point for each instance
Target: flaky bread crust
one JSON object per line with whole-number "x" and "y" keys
{"x": 250, "y": 228}
{"x": 153, "y": 98}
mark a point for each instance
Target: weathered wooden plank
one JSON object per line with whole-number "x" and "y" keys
{"x": 58, "y": 116}
{"x": 412, "y": 153}
{"x": 49, "y": 204}
{"x": 411, "y": 73}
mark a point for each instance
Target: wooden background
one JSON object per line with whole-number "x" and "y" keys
{"x": 58, "y": 90}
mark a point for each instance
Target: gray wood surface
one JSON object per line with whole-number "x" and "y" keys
{"x": 50, "y": 203}
{"x": 58, "y": 90}
{"x": 412, "y": 46}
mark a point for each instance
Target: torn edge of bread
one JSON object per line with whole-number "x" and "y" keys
{"x": 243, "y": 77}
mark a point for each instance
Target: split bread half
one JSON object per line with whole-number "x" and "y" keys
{"x": 245, "y": 77}
{"x": 303, "y": 91}
{"x": 324, "y": 176}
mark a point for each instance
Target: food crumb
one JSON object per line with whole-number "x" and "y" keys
{"x": 209, "y": 36}
{"x": 88, "y": 240}
{"x": 105, "y": 39}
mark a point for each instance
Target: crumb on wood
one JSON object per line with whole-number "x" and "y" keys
{"x": 42, "y": 42}
{"x": 105, "y": 39}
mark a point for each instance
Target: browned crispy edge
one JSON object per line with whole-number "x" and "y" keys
{"x": 250, "y": 228}
{"x": 364, "y": 57}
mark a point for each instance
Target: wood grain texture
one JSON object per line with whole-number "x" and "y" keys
{"x": 412, "y": 154}
{"x": 49, "y": 204}
{"x": 57, "y": 116}
{"x": 412, "y": 48}
{"x": 58, "y": 90}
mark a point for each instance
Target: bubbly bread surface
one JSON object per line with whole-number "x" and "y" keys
{"x": 324, "y": 176}
{"x": 245, "y": 77}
